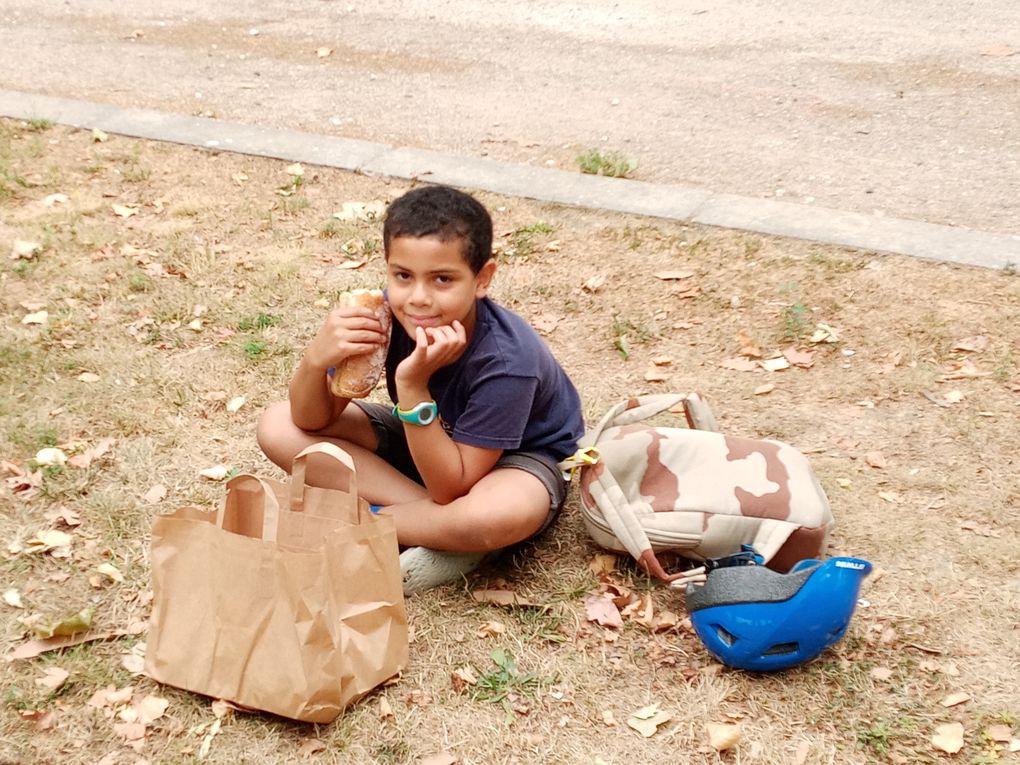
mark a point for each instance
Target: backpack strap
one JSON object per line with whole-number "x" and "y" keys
{"x": 696, "y": 409}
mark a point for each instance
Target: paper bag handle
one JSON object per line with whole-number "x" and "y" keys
{"x": 241, "y": 524}
{"x": 297, "y": 488}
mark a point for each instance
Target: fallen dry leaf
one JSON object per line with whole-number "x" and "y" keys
{"x": 999, "y": 733}
{"x": 674, "y": 275}
{"x": 235, "y": 404}
{"x": 385, "y": 710}
{"x": 804, "y": 359}
{"x": 891, "y": 497}
{"x": 545, "y": 323}
{"x": 310, "y": 746}
{"x": 150, "y": 708}
{"x": 53, "y": 678}
{"x": 948, "y": 738}
{"x": 608, "y": 718}
{"x": 13, "y": 598}
{"x": 962, "y": 370}
{"x": 647, "y": 720}
{"x": 723, "y": 736}
{"x": 463, "y": 677}
{"x": 23, "y": 250}
{"x": 43, "y": 719}
{"x": 351, "y": 265}
{"x": 88, "y": 377}
{"x": 367, "y": 211}
{"x": 111, "y": 571}
{"x": 51, "y": 541}
{"x": 440, "y": 758}
{"x": 594, "y": 283}
{"x": 66, "y": 626}
{"x": 975, "y": 344}
{"x": 748, "y": 347}
{"x": 875, "y": 459}
{"x": 491, "y": 629}
{"x": 953, "y": 699}
{"x": 55, "y": 199}
{"x": 824, "y": 334}
{"x": 654, "y": 375}
{"x": 762, "y": 390}
{"x": 90, "y": 455}
{"x": 602, "y": 563}
{"x": 739, "y": 365}
{"x": 215, "y": 473}
{"x": 39, "y": 317}
{"x": 602, "y": 610}
{"x": 124, "y": 211}
{"x": 775, "y": 365}
{"x": 323, "y": 52}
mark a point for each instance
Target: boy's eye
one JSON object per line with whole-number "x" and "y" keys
{"x": 443, "y": 279}
{"x": 401, "y": 275}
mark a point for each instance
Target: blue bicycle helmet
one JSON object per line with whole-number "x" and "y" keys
{"x": 753, "y": 618}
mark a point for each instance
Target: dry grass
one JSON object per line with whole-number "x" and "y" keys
{"x": 212, "y": 236}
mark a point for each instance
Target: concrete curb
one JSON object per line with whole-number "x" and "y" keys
{"x": 848, "y": 229}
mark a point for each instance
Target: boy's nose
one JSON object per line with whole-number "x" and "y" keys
{"x": 419, "y": 294}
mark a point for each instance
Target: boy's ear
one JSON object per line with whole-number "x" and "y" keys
{"x": 484, "y": 278}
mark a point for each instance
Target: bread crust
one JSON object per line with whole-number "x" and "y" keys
{"x": 357, "y": 376}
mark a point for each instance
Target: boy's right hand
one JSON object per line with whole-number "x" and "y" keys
{"x": 346, "y": 332}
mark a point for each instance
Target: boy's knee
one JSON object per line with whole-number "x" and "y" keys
{"x": 272, "y": 426}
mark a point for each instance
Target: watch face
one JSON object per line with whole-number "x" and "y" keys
{"x": 426, "y": 412}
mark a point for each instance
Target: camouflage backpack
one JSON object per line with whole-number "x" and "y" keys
{"x": 695, "y": 491}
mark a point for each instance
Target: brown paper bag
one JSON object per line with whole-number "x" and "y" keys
{"x": 287, "y": 600}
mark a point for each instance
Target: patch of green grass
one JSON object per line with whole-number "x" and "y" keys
{"x": 497, "y": 685}
{"x": 262, "y": 321}
{"x": 40, "y": 124}
{"x": 624, "y": 331}
{"x": 139, "y": 282}
{"x": 610, "y": 163}
{"x": 540, "y": 624}
{"x": 254, "y": 349}
{"x": 883, "y": 734}
{"x": 522, "y": 241}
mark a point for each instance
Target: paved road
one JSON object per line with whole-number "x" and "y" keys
{"x": 904, "y": 108}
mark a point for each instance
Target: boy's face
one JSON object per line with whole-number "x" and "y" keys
{"x": 429, "y": 283}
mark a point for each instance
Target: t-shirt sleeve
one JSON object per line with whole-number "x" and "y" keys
{"x": 497, "y": 413}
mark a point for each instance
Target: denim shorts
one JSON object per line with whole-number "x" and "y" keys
{"x": 392, "y": 447}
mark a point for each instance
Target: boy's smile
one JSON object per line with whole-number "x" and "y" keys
{"x": 430, "y": 284}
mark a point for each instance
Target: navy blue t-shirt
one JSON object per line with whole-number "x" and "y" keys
{"x": 506, "y": 391}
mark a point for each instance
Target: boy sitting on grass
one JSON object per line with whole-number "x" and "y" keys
{"x": 466, "y": 462}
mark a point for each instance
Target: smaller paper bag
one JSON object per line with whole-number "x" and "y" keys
{"x": 288, "y": 599}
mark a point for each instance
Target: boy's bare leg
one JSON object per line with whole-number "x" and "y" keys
{"x": 378, "y": 481}
{"x": 504, "y": 507}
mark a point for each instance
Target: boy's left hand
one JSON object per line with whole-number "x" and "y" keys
{"x": 435, "y": 347}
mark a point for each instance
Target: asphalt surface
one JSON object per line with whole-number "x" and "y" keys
{"x": 906, "y": 110}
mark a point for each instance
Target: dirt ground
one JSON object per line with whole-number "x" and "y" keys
{"x": 904, "y": 109}
{"x": 175, "y": 280}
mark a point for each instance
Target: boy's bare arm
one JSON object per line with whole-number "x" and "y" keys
{"x": 346, "y": 332}
{"x": 447, "y": 468}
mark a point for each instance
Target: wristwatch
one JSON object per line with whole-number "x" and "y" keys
{"x": 422, "y": 414}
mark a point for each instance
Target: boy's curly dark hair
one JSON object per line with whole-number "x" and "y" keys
{"x": 445, "y": 213}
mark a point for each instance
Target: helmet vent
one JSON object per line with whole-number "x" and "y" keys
{"x": 780, "y": 649}
{"x": 726, "y": 637}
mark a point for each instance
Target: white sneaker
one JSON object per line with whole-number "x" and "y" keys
{"x": 422, "y": 568}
